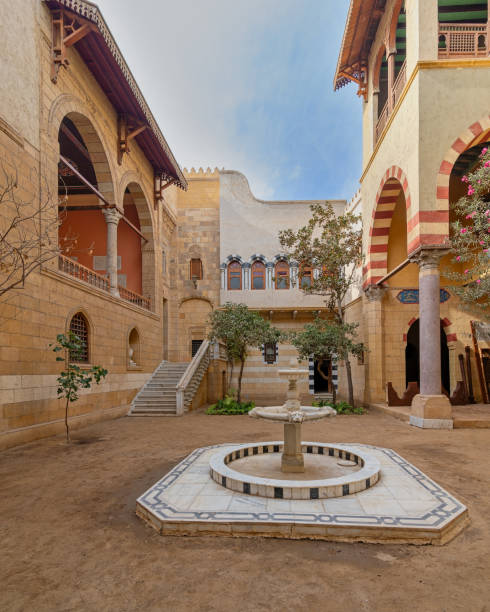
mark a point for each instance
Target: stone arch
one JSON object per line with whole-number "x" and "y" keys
{"x": 393, "y": 25}
{"x": 393, "y": 182}
{"x": 68, "y": 105}
{"x": 144, "y": 223}
{"x": 377, "y": 66}
{"x": 477, "y": 133}
{"x": 133, "y": 340}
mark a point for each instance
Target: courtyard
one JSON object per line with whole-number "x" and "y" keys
{"x": 71, "y": 539}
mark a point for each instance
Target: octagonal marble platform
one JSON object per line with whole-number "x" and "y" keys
{"x": 404, "y": 506}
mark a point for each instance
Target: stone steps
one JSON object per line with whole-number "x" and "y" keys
{"x": 158, "y": 396}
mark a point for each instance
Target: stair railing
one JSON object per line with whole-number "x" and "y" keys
{"x": 189, "y": 383}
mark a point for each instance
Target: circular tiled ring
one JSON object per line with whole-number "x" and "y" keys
{"x": 362, "y": 479}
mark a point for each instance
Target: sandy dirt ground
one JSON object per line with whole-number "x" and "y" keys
{"x": 70, "y": 539}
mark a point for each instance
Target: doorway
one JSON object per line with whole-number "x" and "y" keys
{"x": 412, "y": 357}
{"x": 323, "y": 376}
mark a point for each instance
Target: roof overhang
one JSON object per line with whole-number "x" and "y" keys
{"x": 362, "y": 23}
{"x": 100, "y": 52}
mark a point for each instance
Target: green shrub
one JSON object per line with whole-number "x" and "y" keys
{"x": 229, "y": 405}
{"x": 340, "y": 407}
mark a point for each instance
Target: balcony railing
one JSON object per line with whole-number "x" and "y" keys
{"x": 463, "y": 39}
{"x": 399, "y": 83}
{"x": 382, "y": 121}
{"x": 134, "y": 298}
{"x": 73, "y": 268}
{"x": 396, "y": 92}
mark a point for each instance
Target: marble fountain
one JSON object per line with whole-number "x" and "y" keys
{"x": 296, "y": 489}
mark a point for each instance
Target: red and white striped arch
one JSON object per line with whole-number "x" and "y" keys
{"x": 393, "y": 182}
{"x": 433, "y": 225}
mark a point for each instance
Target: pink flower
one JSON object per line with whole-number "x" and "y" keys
{"x": 458, "y": 258}
{"x": 466, "y": 271}
{"x": 487, "y": 164}
{"x": 464, "y": 230}
{"x": 471, "y": 191}
{"x": 484, "y": 150}
{"x": 465, "y": 179}
{"x": 487, "y": 213}
{"x": 478, "y": 281}
{"x": 481, "y": 242}
{"x": 471, "y": 215}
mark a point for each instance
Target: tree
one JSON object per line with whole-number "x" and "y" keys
{"x": 471, "y": 240}
{"x": 323, "y": 338}
{"x": 74, "y": 378}
{"x": 28, "y": 234}
{"x": 331, "y": 245}
{"x": 239, "y": 329}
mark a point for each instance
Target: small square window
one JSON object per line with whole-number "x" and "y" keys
{"x": 270, "y": 352}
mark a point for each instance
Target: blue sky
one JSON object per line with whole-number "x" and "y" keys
{"x": 247, "y": 85}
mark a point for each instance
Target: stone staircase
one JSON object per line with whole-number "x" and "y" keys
{"x": 158, "y": 396}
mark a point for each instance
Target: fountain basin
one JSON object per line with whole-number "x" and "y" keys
{"x": 281, "y": 488}
{"x": 281, "y": 413}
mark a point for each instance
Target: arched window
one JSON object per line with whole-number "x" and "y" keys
{"x": 305, "y": 275}
{"x": 234, "y": 275}
{"x": 258, "y": 275}
{"x": 134, "y": 347}
{"x": 282, "y": 275}
{"x": 196, "y": 269}
{"x": 79, "y": 327}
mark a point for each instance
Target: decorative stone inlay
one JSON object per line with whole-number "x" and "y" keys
{"x": 366, "y": 477}
{"x": 405, "y": 506}
{"x": 411, "y": 296}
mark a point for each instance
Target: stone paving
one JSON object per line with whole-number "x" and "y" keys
{"x": 404, "y": 506}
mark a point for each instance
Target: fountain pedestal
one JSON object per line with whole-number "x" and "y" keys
{"x": 292, "y": 457}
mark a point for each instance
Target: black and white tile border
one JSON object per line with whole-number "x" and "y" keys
{"x": 351, "y": 483}
{"x": 445, "y": 518}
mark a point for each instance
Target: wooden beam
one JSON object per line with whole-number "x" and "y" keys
{"x": 137, "y": 131}
{"x": 79, "y": 145}
{"x": 133, "y": 227}
{"x": 85, "y": 181}
{"x": 391, "y": 273}
{"x": 78, "y": 34}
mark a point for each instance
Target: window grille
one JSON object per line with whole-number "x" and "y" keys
{"x": 79, "y": 327}
{"x": 270, "y": 352}
{"x": 196, "y": 344}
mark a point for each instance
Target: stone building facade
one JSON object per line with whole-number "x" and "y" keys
{"x": 423, "y": 72}
{"x": 67, "y": 89}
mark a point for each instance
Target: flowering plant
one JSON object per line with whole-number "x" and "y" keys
{"x": 471, "y": 239}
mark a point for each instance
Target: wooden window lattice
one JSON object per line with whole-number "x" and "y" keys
{"x": 196, "y": 269}
{"x": 79, "y": 327}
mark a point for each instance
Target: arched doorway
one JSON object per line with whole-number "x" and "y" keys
{"x": 412, "y": 357}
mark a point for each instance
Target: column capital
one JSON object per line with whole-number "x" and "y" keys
{"x": 112, "y": 215}
{"x": 375, "y": 293}
{"x": 428, "y": 259}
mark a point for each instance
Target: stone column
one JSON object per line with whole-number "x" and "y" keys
{"x": 374, "y": 334}
{"x": 430, "y": 409}
{"x": 269, "y": 273}
{"x": 223, "y": 276}
{"x": 112, "y": 217}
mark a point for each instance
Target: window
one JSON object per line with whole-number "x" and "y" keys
{"x": 305, "y": 275}
{"x": 282, "y": 275}
{"x": 79, "y": 327}
{"x": 270, "y": 352}
{"x": 196, "y": 345}
{"x": 258, "y": 275}
{"x": 234, "y": 275}
{"x": 164, "y": 262}
{"x": 196, "y": 269}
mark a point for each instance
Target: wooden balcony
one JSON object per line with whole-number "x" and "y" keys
{"x": 463, "y": 40}
{"x": 134, "y": 298}
{"x": 86, "y": 275}
{"x": 396, "y": 92}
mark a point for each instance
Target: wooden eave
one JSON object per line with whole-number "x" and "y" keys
{"x": 100, "y": 52}
{"x": 362, "y": 23}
